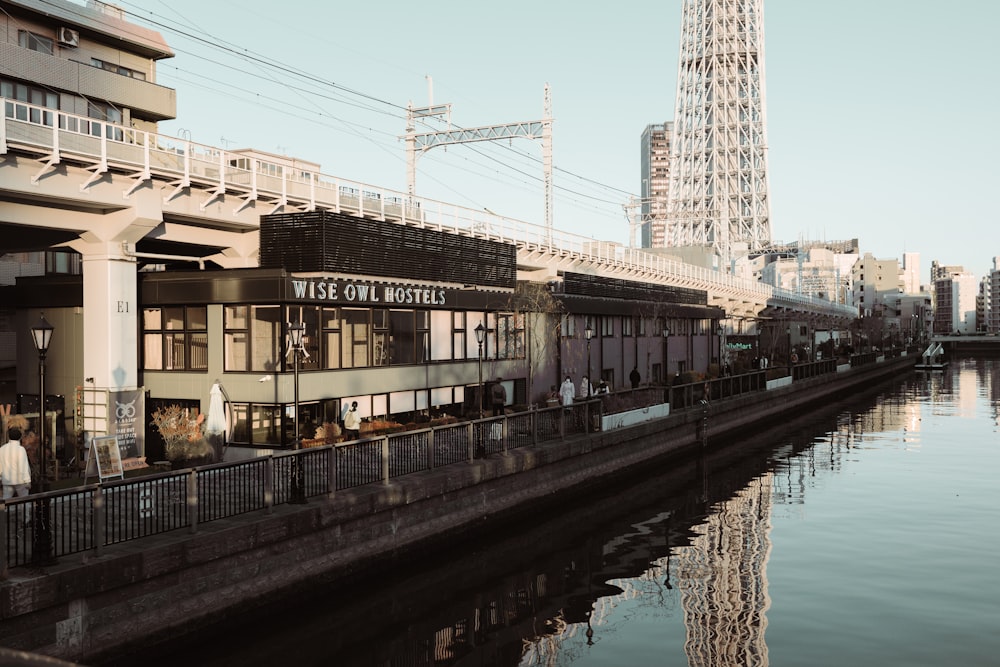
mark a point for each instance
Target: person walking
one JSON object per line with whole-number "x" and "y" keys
{"x": 586, "y": 389}
{"x": 498, "y": 397}
{"x": 566, "y": 392}
{"x": 352, "y": 422}
{"x": 634, "y": 377}
{"x": 15, "y": 473}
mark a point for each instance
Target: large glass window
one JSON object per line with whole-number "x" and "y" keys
{"x": 403, "y": 337}
{"x": 330, "y": 319}
{"x": 458, "y": 336}
{"x": 252, "y": 337}
{"x": 175, "y": 338}
{"x": 354, "y": 341}
{"x": 265, "y": 338}
{"x": 510, "y": 336}
{"x": 309, "y": 315}
{"x": 422, "y": 340}
{"x": 441, "y": 331}
{"x": 380, "y": 337}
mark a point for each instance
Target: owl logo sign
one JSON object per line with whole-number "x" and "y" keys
{"x": 129, "y": 407}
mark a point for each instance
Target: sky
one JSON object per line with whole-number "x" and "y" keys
{"x": 881, "y": 114}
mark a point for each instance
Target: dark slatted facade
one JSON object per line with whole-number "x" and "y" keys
{"x": 338, "y": 243}
{"x": 616, "y": 288}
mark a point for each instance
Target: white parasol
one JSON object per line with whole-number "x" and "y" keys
{"x": 216, "y": 420}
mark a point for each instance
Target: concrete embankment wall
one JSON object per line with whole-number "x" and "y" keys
{"x": 86, "y": 608}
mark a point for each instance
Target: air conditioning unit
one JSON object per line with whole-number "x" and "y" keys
{"x": 68, "y": 37}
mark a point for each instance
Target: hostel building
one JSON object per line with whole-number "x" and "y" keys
{"x": 391, "y": 314}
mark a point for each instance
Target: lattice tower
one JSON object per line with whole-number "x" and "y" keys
{"x": 719, "y": 187}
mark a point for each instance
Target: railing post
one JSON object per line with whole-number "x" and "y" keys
{"x": 430, "y": 449}
{"x": 471, "y": 439}
{"x": 99, "y": 536}
{"x": 503, "y": 434}
{"x": 3, "y": 540}
{"x": 332, "y": 470}
{"x": 385, "y": 459}
{"x": 269, "y": 483}
{"x": 192, "y": 500}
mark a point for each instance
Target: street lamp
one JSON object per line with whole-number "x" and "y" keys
{"x": 296, "y": 333}
{"x": 41, "y": 336}
{"x": 589, "y": 333}
{"x": 666, "y": 353}
{"x": 480, "y": 337}
{"x": 788, "y": 333}
{"x": 722, "y": 363}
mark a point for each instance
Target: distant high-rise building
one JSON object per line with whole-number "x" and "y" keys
{"x": 911, "y": 272}
{"x": 993, "y": 298}
{"x": 655, "y": 186}
{"x": 718, "y": 171}
{"x": 955, "y": 301}
{"x": 875, "y": 284}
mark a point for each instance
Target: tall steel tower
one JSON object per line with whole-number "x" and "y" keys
{"x": 718, "y": 189}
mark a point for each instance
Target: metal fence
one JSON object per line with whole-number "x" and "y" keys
{"x": 93, "y": 516}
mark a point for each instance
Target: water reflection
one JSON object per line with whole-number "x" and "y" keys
{"x": 687, "y": 546}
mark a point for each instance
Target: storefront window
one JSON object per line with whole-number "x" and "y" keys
{"x": 458, "y": 337}
{"x": 253, "y": 338}
{"x": 330, "y": 319}
{"x": 309, "y": 315}
{"x": 510, "y": 336}
{"x": 265, "y": 338}
{"x": 423, "y": 336}
{"x": 380, "y": 337}
{"x": 236, "y": 338}
{"x": 175, "y": 338}
{"x": 403, "y": 337}
{"x": 354, "y": 338}
{"x": 441, "y": 334}
{"x": 265, "y": 425}
{"x": 472, "y": 320}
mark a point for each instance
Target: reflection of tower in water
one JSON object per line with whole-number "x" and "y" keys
{"x": 723, "y": 582}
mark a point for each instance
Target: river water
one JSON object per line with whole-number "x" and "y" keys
{"x": 864, "y": 532}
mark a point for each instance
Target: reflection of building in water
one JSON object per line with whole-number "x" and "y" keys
{"x": 723, "y": 581}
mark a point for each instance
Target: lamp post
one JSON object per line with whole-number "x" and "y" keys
{"x": 480, "y": 337}
{"x": 666, "y": 353}
{"x": 588, "y": 333}
{"x": 722, "y": 362}
{"x": 788, "y": 333}
{"x": 296, "y": 332}
{"x": 41, "y": 549}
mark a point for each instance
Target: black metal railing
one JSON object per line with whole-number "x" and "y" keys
{"x": 93, "y": 516}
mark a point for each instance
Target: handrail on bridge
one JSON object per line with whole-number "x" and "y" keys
{"x": 53, "y": 135}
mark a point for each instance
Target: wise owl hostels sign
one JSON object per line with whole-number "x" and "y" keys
{"x": 369, "y": 293}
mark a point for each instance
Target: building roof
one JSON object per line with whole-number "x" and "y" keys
{"x": 100, "y": 20}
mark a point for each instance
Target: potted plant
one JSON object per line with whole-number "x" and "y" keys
{"x": 185, "y": 445}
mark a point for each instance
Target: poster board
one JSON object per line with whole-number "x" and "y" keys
{"x": 104, "y": 458}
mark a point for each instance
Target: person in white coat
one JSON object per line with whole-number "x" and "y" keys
{"x": 566, "y": 392}
{"x": 15, "y": 473}
{"x": 352, "y": 422}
